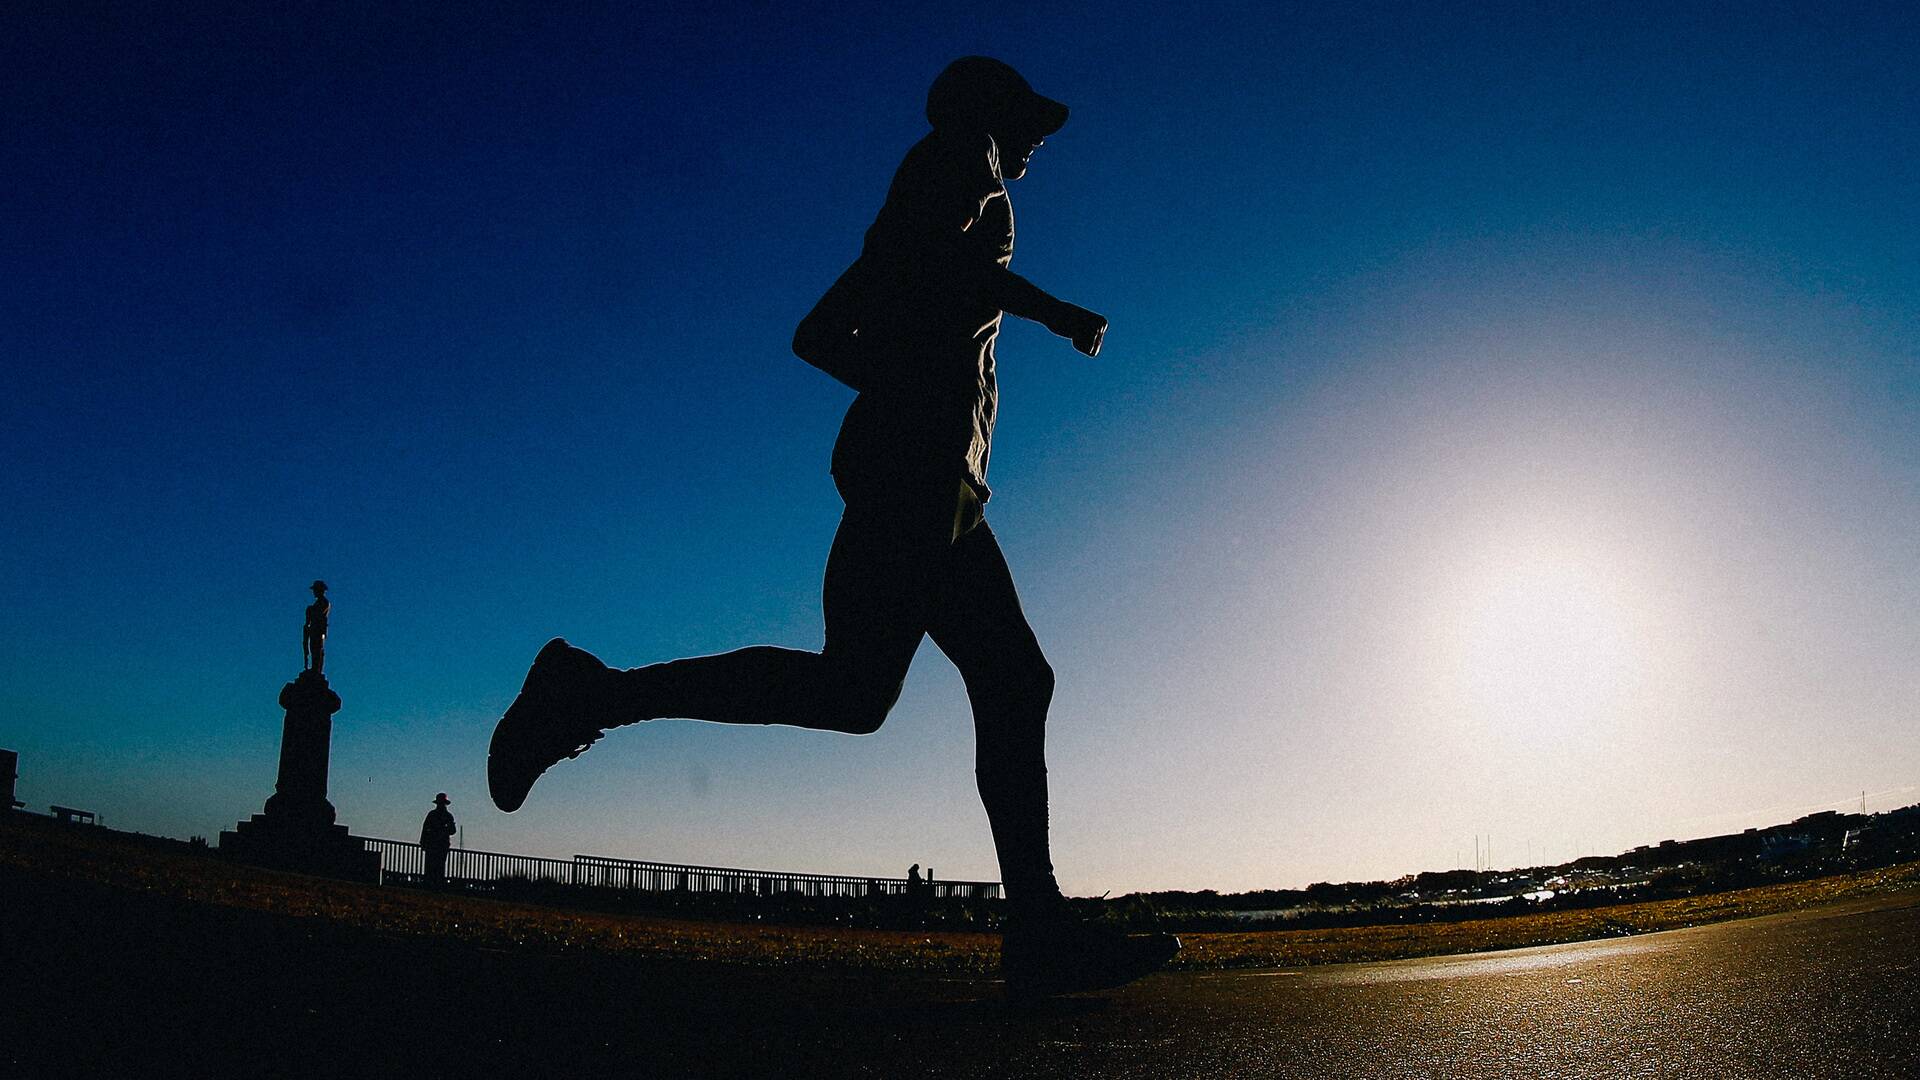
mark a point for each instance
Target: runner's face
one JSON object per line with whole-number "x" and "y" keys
{"x": 1016, "y": 149}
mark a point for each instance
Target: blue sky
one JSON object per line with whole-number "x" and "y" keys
{"x": 1506, "y": 426}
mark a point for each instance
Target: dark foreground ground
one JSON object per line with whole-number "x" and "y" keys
{"x": 101, "y": 981}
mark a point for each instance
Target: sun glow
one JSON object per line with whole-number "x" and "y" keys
{"x": 1543, "y": 641}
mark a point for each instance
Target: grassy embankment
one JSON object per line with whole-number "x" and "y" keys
{"x": 37, "y": 855}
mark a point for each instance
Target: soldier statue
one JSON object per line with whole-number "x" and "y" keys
{"x": 313, "y": 636}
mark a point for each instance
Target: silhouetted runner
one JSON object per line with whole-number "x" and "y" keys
{"x": 910, "y": 326}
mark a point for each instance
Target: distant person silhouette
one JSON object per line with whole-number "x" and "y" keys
{"x": 914, "y": 884}
{"x": 436, "y": 836}
{"x": 911, "y": 327}
{"x": 313, "y": 636}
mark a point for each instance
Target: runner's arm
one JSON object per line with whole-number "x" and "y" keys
{"x": 829, "y": 337}
{"x": 943, "y": 218}
{"x": 1019, "y": 297}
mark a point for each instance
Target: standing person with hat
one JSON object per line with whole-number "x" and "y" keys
{"x": 313, "y": 636}
{"x": 910, "y": 327}
{"x": 436, "y": 836}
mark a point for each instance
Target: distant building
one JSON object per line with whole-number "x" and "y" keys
{"x": 74, "y": 816}
{"x": 1780, "y": 846}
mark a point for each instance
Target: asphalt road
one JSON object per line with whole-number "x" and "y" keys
{"x": 114, "y": 984}
{"x": 1831, "y": 993}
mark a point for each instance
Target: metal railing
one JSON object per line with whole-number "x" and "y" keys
{"x": 408, "y": 861}
{"x": 671, "y": 877}
{"x": 397, "y": 857}
{"x": 404, "y": 861}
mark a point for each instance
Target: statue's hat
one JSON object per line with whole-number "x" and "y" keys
{"x": 318, "y": 586}
{"x": 441, "y": 799}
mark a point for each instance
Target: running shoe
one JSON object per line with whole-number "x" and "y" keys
{"x": 563, "y": 708}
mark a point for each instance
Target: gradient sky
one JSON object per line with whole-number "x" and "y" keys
{"x": 1508, "y": 422}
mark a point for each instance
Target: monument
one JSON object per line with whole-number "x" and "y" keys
{"x": 297, "y": 830}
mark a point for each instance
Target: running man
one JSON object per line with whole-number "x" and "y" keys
{"x": 910, "y": 326}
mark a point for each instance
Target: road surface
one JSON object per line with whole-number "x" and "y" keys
{"x": 122, "y": 985}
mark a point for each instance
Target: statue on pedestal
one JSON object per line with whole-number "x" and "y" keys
{"x": 313, "y": 636}
{"x": 297, "y": 830}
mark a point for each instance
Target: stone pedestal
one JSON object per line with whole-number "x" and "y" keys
{"x": 297, "y": 830}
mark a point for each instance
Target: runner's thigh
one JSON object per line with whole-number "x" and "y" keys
{"x": 881, "y": 580}
{"x": 978, "y": 621}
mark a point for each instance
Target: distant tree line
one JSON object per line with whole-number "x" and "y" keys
{"x": 1812, "y": 846}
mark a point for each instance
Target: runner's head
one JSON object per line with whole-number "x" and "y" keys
{"x": 981, "y": 94}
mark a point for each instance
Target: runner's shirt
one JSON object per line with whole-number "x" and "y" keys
{"x": 925, "y": 324}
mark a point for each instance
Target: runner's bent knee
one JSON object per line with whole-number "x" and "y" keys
{"x": 862, "y": 693}
{"x": 1024, "y": 685}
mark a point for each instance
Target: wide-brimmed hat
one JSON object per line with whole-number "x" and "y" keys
{"x": 979, "y": 93}
{"x": 441, "y": 799}
{"x": 318, "y": 586}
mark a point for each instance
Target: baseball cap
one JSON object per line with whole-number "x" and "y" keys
{"x": 979, "y": 92}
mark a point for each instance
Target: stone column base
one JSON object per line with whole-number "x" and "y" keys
{"x": 279, "y": 844}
